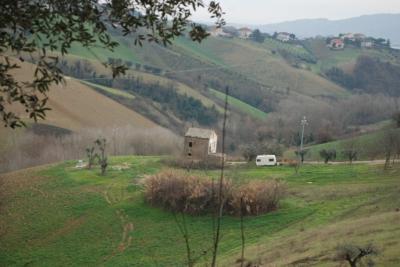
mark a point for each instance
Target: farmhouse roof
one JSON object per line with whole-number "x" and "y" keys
{"x": 245, "y": 29}
{"x": 337, "y": 41}
{"x": 199, "y": 133}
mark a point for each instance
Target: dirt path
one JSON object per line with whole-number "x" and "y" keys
{"x": 126, "y": 225}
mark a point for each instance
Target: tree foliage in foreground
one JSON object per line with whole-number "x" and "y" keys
{"x": 38, "y": 29}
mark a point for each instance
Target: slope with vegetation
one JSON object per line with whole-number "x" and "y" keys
{"x": 79, "y": 217}
{"x": 76, "y": 106}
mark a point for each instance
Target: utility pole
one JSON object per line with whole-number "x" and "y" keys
{"x": 303, "y": 123}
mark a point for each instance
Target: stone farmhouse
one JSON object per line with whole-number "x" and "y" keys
{"x": 200, "y": 144}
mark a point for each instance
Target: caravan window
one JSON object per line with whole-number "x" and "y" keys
{"x": 271, "y": 160}
{"x": 258, "y": 160}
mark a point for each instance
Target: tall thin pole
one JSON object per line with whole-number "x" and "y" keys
{"x": 303, "y": 124}
{"x": 220, "y": 203}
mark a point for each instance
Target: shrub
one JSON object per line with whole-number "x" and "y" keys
{"x": 184, "y": 163}
{"x": 257, "y": 197}
{"x": 179, "y": 192}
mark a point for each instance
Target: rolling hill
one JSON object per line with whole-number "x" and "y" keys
{"x": 76, "y": 106}
{"x": 378, "y": 25}
{"x": 169, "y": 87}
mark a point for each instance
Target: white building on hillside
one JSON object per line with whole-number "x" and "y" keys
{"x": 244, "y": 33}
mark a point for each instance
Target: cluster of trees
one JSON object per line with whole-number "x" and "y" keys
{"x": 370, "y": 75}
{"x": 296, "y": 59}
{"x": 248, "y": 91}
{"x": 340, "y": 77}
{"x": 250, "y": 151}
{"x": 258, "y": 36}
{"x": 138, "y": 66}
{"x": 41, "y": 146}
{"x": 183, "y": 106}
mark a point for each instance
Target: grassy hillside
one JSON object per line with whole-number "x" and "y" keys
{"x": 122, "y": 51}
{"x": 147, "y": 78}
{"x": 367, "y": 145}
{"x": 346, "y": 58}
{"x": 240, "y": 105}
{"x": 251, "y": 59}
{"x": 80, "y": 218}
{"x": 257, "y": 62}
{"x": 113, "y": 91}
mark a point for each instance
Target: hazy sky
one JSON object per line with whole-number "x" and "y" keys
{"x": 270, "y": 11}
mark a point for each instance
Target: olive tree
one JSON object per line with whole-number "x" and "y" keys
{"x": 102, "y": 157}
{"x": 44, "y": 29}
{"x": 328, "y": 154}
{"x": 355, "y": 255}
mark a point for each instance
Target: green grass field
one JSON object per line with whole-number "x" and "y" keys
{"x": 113, "y": 91}
{"x": 366, "y": 145}
{"x": 62, "y": 216}
{"x": 240, "y": 105}
{"x": 122, "y": 51}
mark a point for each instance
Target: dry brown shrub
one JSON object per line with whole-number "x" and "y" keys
{"x": 256, "y": 197}
{"x": 180, "y": 192}
{"x": 184, "y": 163}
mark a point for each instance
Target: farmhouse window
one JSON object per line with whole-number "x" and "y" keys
{"x": 190, "y": 144}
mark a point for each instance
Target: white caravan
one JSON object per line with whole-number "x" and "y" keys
{"x": 266, "y": 160}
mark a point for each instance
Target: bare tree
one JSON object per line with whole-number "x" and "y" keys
{"x": 388, "y": 141}
{"x": 354, "y": 254}
{"x": 350, "y": 154}
{"x": 328, "y": 154}
{"x": 242, "y": 211}
{"x": 396, "y": 119}
{"x": 182, "y": 226}
{"x": 91, "y": 156}
{"x": 221, "y": 200}
{"x": 103, "y": 160}
{"x": 301, "y": 153}
{"x": 350, "y": 150}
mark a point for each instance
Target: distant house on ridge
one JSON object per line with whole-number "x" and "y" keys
{"x": 219, "y": 32}
{"x": 244, "y": 33}
{"x": 336, "y": 44}
{"x": 284, "y": 37}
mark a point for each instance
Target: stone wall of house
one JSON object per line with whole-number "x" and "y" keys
{"x": 196, "y": 148}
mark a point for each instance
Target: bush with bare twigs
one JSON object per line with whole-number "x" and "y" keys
{"x": 178, "y": 192}
{"x": 184, "y": 163}
{"x": 256, "y": 197}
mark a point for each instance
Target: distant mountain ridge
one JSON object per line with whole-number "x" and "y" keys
{"x": 378, "y": 25}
